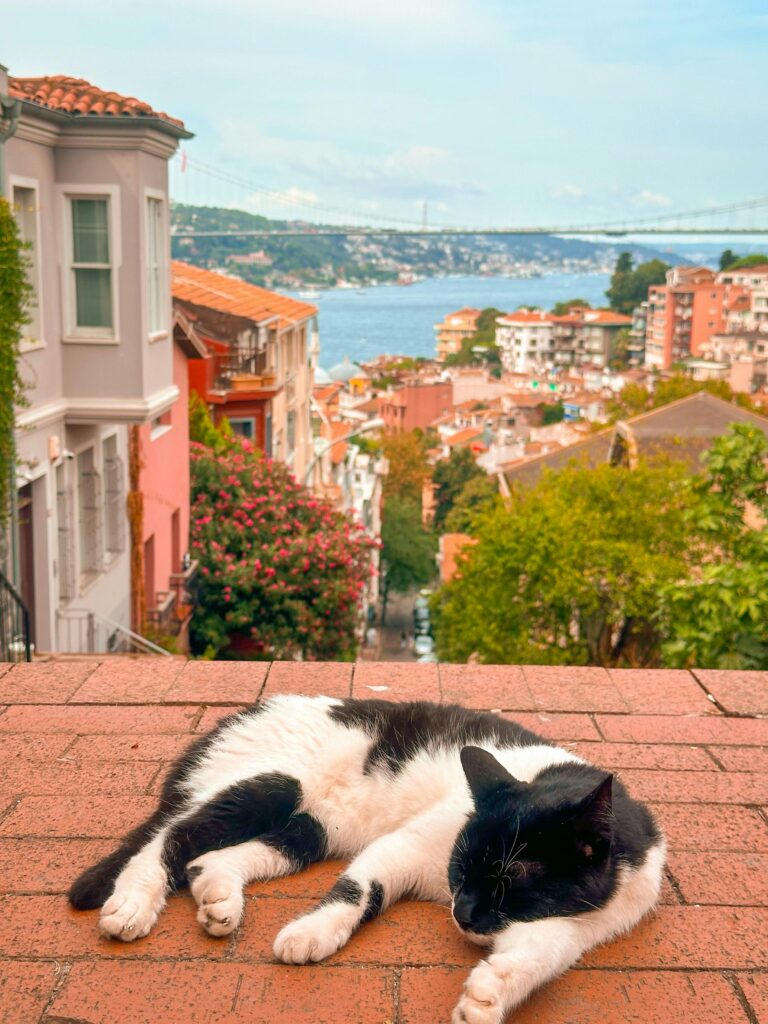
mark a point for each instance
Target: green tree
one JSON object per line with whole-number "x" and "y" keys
{"x": 755, "y": 260}
{"x": 483, "y": 338}
{"x": 408, "y": 467}
{"x": 202, "y": 429}
{"x": 408, "y": 549}
{"x": 476, "y": 496}
{"x": 727, "y": 258}
{"x": 450, "y": 476}
{"x": 632, "y": 400}
{"x": 570, "y": 571}
{"x": 15, "y": 298}
{"x": 718, "y": 616}
{"x": 679, "y": 386}
{"x": 561, "y": 308}
{"x": 551, "y": 412}
{"x": 629, "y": 285}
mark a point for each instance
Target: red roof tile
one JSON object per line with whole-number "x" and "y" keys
{"x": 77, "y": 97}
{"x": 527, "y": 316}
{"x": 234, "y": 296}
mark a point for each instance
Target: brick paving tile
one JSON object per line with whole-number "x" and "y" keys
{"x": 25, "y": 988}
{"x": 129, "y": 681}
{"x": 331, "y": 678}
{"x": 82, "y": 720}
{"x": 556, "y": 727}
{"x": 497, "y": 687}
{"x": 668, "y": 757}
{"x": 168, "y": 993}
{"x": 415, "y": 933}
{"x": 41, "y": 682}
{"x": 35, "y": 746}
{"x": 586, "y": 997}
{"x": 47, "y": 865}
{"x": 395, "y": 681}
{"x": 573, "y": 689}
{"x": 697, "y": 787}
{"x": 691, "y": 937}
{"x": 69, "y": 777}
{"x": 661, "y": 691}
{"x": 717, "y": 828}
{"x": 742, "y": 759}
{"x": 722, "y": 878}
{"x": 212, "y": 716}
{"x": 312, "y": 883}
{"x": 742, "y": 692}
{"x": 219, "y": 682}
{"x": 133, "y": 747}
{"x": 755, "y": 988}
{"x": 682, "y": 729}
{"x": 89, "y": 816}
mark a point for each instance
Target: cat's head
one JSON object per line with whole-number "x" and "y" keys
{"x": 529, "y": 850}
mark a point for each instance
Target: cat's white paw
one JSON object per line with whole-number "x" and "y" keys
{"x": 311, "y": 938}
{"x": 219, "y": 897}
{"x": 128, "y": 916}
{"x": 482, "y": 1001}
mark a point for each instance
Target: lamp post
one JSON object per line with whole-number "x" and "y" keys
{"x": 364, "y": 428}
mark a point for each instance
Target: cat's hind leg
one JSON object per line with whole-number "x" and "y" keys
{"x": 216, "y": 879}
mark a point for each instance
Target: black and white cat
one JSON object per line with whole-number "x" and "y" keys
{"x": 540, "y": 855}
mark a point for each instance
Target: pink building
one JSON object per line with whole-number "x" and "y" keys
{"x": 415, "y": 405}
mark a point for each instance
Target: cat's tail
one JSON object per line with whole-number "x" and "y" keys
{"x": 94, "y": 886}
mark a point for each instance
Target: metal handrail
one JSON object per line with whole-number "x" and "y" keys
{"x": 91, "y": 618}
{"x": 14, "y": 614}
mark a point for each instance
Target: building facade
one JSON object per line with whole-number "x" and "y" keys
{"x": 453, "y": 330}
{"x": 86, "y": 172}
{"x": 525, "y": 340}
{"x": 587, "y": 337}
{"x": 415, "y": 405}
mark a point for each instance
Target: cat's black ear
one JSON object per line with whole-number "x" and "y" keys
{"x": 486, "y": 777}
{"x": 593, "y": 822}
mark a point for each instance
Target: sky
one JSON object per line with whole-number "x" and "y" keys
{"x": 492, "y": 112}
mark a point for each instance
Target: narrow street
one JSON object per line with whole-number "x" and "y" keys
{"x": 399, "y": 621}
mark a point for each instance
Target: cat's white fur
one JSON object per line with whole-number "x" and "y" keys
{"x": 398, "y": 830}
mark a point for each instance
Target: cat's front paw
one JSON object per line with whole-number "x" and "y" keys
{"x": 482, "y": 1001}
{"x": 311, "y": 938}
{"x": 128, "y": 916}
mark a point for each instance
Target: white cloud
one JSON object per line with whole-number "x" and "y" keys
{"x": 647, "y": 198}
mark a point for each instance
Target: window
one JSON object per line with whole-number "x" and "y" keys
{"x": 65, "y": 536}
{"x": 89, "y": 504}
{"x": 244, "y": 426}
{"x": 157, "y": 310}
{"x": 290, "y": 433}
{"x": 114, "y": 497}
{"x": 91, "y": 267}
{"x": 160, "y": 425}
{"x": 25, "y": 207}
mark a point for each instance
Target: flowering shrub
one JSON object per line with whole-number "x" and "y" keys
{"x": 281, "y": 572}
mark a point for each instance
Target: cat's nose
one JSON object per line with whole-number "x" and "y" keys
{"x": 463, "y": 911}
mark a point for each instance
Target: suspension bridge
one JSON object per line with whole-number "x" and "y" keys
{"x": 303, "y": 215}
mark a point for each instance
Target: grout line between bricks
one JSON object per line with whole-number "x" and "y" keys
{"x": 396, "y": 1011}
{"x": 710, "y": 696}
{"x": 196, "y": 719}
{"x": 674, "y": 884}
{"x": 715, "y": 758}
{"x": 733, "y": 981}
{"x": 62, "y": 973}
{"x": 761, "y": 813}
{"x": 593, "y": 719}
{"x": 352, "y": 679}
{"x": 6, "y": 812}
{"x": 148, "y": 789}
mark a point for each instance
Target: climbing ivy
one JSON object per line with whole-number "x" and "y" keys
{"x": 15, "y": 297}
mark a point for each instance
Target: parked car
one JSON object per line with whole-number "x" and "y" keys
{"x": 423, "y": 645}
{"x": 430, "y": 658}
{"x": 423, "y": 628}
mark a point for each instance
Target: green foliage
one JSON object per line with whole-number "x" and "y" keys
{"x": 408, "y": 467}
{"x": 483, "y": 338}
{"x": 408, "y": 548}
{"x": 570, "y": 572}
{"x": 476, "y": 496}
{"x": 632, "y": 400}
{"x": 450, "y": 476}
{"x": 15, "y": 297}
{"x": 202, "y": 429}
{"x": 755, "y": 260}
{"x": 727, "y": 258}
{"x": 629, "y": 285}
{"x": 551, "y": 412}
{"x": 680, "y": 386}
{"x": 561, "y": 308}
{"x": 281, "y": 572}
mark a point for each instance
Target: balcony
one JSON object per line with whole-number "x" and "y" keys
{"x": 245, "y": 373}
{"x": 83, "y": 744}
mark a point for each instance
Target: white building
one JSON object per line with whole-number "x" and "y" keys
{"x": 525, "y": 340}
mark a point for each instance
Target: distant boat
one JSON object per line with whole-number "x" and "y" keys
{"x": 309, "y": 294}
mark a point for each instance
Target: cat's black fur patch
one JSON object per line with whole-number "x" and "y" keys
{"x": 375, "y": 902}
{"x": 345, "y": 890}
{"x": 241, "y": 812}
{"x": 401, "y": 731}
{"x": 302, "y": 840}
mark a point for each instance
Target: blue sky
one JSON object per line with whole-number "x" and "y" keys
{"x": 491, "y": 111}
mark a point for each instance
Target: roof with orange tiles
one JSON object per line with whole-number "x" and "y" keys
{"x": 235, "y": 296}
{"x": 526, "y": 316}
{"x": 597, "y": 317}
{"x": 83, "y": 744}
{"x": 78, "y": 98}
{"x": 466, "y": 315}
{"x": 463, "y": 436}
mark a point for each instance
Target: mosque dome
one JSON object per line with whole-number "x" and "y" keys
{"x": 322, "y": 376}
{"x": 345, "y": 371}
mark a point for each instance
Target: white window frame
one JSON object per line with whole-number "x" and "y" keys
{"x": 28, "y": 343}
{"x": 157, "y": 195}
{"x": 71, "y": 332}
